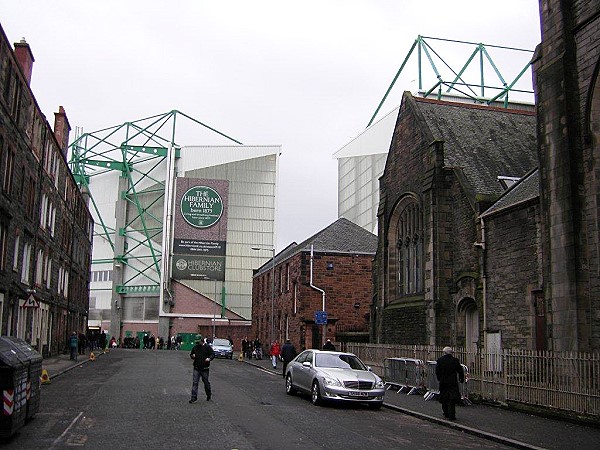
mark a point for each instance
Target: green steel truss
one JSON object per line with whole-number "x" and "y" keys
{"x": 138, "y": 151}
{"x": 446, "y": 77}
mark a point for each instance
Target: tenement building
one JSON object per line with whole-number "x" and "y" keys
{"x": 45, "y": 225}
{"x": 488, "y": 218}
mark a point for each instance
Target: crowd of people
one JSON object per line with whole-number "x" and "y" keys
{"x": 252, "y": 348}
{"x": 79, "y": 343}
{"x": 150, "y": 342}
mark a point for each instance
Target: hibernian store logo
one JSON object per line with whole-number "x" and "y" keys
{"x": 201, "y": 206}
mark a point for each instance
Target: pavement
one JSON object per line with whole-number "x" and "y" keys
{"x": 495, "y": 423}
{"x": 60, "y": 364}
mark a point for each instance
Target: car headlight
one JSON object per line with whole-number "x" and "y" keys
{"x": 332, "y": 381}
{"x": 379, "y": 384}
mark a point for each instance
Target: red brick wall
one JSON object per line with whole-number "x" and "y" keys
{"x": 347, "y": 287}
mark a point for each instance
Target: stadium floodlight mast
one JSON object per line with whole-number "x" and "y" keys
{"x": 272, "y": 250}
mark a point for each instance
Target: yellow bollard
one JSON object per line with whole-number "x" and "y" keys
{"x": 45, "y": 378}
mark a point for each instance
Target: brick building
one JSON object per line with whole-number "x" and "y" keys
{"x": 499, "y": 268}
{"x": 341, "y": 266}
{"x": 45, "y": 225}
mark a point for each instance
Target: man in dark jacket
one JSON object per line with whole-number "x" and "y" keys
{"x": 288, "y": 352}
{"x": 73, "y": 345}
{"x": 202, "y": 354}
{"x": 329, "y": 346}
{"x": 448, "y": 372}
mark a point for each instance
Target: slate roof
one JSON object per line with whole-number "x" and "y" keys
{"x": 341, "y": 237}
{"x": 527, "y": 188}
{"x": 485, "y": 142}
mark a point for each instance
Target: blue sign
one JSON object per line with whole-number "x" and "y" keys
{"x": 321, "y": 317}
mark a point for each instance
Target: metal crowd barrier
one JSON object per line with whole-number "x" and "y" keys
{"x": 433, "y": 387}
{"x": 464, "y": 387}
{"x": 404, "y": 374}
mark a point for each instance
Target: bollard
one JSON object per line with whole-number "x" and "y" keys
{"x": 45, "y": 378}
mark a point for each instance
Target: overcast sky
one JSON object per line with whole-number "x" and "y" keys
{"x": 304, "y": 74}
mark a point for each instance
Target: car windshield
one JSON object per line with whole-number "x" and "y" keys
{"x": 339, "y": 361}
{"x": 224, "y": 342}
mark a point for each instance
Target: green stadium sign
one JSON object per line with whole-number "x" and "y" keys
{"x": 201, "y": 206}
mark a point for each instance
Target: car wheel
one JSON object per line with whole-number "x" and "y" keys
{"x": 289, "y": 386}
{"x": 315, "y": 394}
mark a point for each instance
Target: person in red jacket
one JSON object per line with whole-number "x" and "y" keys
{"x": 275, "y": 352}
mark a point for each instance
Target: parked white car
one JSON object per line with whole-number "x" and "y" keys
{"x": 334, "y": 376}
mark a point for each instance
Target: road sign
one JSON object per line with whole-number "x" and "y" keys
{"x": 31, "y": 302}
{"x": 321, "y": 317}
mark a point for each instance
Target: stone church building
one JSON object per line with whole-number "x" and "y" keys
{"x": 488, "y": 217}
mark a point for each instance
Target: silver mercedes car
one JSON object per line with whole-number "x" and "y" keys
{"x": 335, "y": 376}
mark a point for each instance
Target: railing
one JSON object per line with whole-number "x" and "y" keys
{"x": 564, "y": 381}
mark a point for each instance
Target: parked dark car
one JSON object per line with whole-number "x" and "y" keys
{"x": 334, "y": 376}
{"x": 222, "y": 348}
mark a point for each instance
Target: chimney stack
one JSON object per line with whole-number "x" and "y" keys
{"x": 61, "y": 130}
{"x": 25, "y": 59}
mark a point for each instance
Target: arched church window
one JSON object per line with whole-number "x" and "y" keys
{"x": 409, "y": 246}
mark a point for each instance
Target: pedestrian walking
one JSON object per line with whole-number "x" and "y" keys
{"x": 102, "y": 340}
{"x": 288, "y": 352}
{"x": 449, "y": 372}
{"x": 257, "y": 348}
{"x": 275, "y": 352}
{"x": 245, "y": 347}
{"x": 329, "y": 346}
{"x": 81, "y": 343}
{"x": 202, "y": 354}
{"x": 73, "y": 341}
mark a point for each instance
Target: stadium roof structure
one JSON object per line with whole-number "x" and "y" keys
{"x": 468, "y": 80}
{"x": 143, "y": 152}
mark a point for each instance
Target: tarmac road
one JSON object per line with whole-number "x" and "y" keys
{"x": 139, "y": 399}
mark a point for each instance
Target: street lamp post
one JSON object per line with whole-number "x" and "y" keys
{"x": 272, "y": 250}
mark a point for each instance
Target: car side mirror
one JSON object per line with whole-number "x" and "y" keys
{"x": 306, "y": 364}
{"x": 369, "y": 369}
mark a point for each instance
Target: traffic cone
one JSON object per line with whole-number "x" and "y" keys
{"x": 45, "y": 378}
{"x": 92, "y": 356}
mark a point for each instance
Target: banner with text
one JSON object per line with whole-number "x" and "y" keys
{"x": 200, "y": 229}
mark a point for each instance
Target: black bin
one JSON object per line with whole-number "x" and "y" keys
{"x": 34, "y": 373}
{"x": 13, "y": 386}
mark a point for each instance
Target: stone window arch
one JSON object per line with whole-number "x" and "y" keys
{"x": 405, "y": 256}
{"x": 468, "y": 323}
